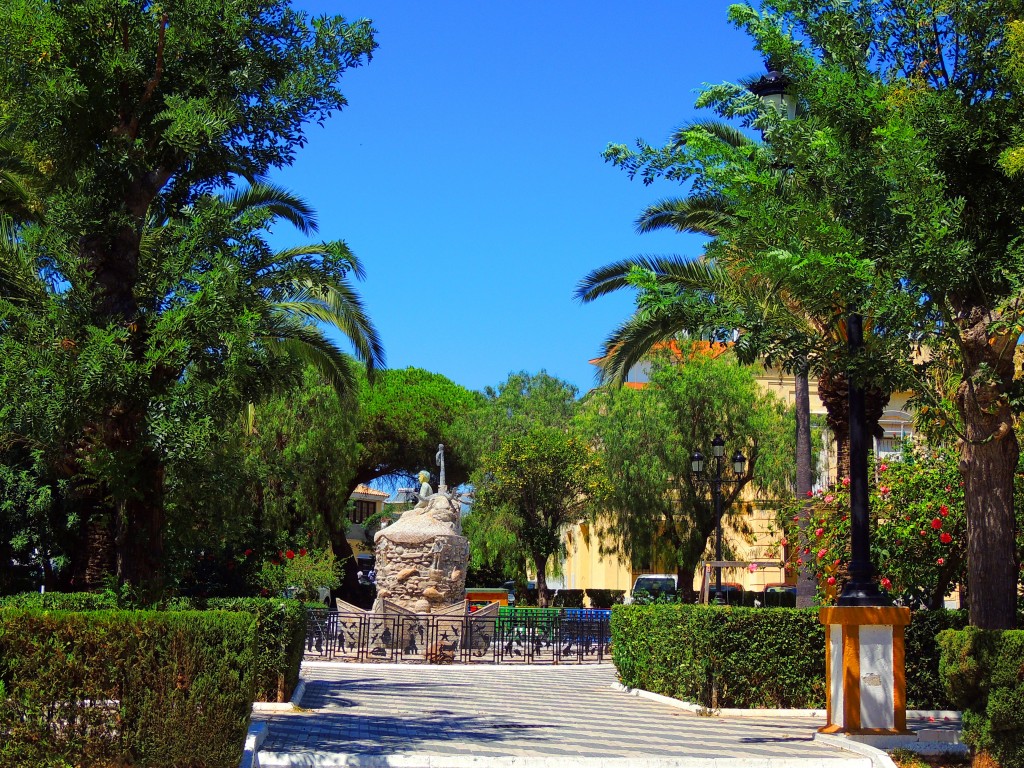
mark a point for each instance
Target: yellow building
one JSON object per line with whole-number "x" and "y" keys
{"x": 366, "y": 502}
{"x": 585, "y": 567}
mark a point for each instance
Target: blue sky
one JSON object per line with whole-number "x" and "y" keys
{"x": 466, "y": 171}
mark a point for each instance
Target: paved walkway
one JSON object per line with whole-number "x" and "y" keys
{"x": 394, "y": 714}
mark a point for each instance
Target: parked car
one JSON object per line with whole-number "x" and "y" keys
{"x": 653, "y": 585}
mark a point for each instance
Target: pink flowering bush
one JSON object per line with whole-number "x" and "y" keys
{"x": 918, "y": 528}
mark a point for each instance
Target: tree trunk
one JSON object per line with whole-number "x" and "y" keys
{"x": 988, "y": 460}
{"x": 540, "y": 562}
{"x": 350, "y": 589}
{"x": 684, "y": 585}
{"x": 833, "y": 393}
{"x": 806, "y": 584}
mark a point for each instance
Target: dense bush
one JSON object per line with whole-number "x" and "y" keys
{"x": 280, "y": 629}
{"x": 142, "y": 688}
{"x": 924, "y": 685}
{"x": 63, "y": 601}
{"x": 605, "y": 598}
{"x": 982, "y": 672}
{"x": 280, "y": 639}
{"x": 721, "y": 657}
{"x": 747, "y": 658}
{"x": 568, "y": 598}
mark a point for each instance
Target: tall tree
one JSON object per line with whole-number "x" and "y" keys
{"x": 128, "y": 116}
{"x": 536, "y": 484}
{"x": 524, "y": 422}
{"x": 911, "y": 108}
{"x": 657, "y": 511}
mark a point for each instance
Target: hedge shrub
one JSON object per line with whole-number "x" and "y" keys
{"x": 280, "y": 629}
{"x": 983, "y": 671}
{"x": 142, "y": 688}
{"x": 721, "y": 657}
{"x": 605, "y": 598}
{"x": 280, "y": 639}
{"x": 753, "y": 657}
{"x": 568, "y": 598}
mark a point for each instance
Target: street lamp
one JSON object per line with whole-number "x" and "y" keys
{"x": 774, "y": 88}
{"x": 697, "y": 465}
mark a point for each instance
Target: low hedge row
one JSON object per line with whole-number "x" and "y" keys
{"x": 605, "y": 598}
{"x": 750, "y": 658}
{"x": 983, "y": 670}
{"x": 128, "y": 688}
{"x": 280, "y": 629}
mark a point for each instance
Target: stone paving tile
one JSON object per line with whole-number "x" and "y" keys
{"x": 505, "y": 710}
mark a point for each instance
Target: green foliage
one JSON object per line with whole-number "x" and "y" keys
{"x": 754, "y": 657}
{"x": 403, "y": 415}
{"x": 280, "y": 628}
{"x": 981, "y": 670}
{"x": 605, "y": 598}
{"x": 656, "y": 510}
{"x": 299, "y": 570}
{"x": 722, "y": 657}
{"x": 919, "y": 528}
{"x": 125, "y": 688}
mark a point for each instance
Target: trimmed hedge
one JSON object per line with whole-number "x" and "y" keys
{"x": 721, "y": 657}
{"x": 606, "y": 598}
{"x": 132, "y": 688}
{"x": 753, "y": 657}
{"x": 568, "y": 598}
{"x": 983, "y": 671}
{"x": 280, "y": 629}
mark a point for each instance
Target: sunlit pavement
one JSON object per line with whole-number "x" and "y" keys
{"x": 460, "y": 715}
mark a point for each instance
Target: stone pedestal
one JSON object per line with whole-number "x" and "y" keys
{"x": 422, "y": 557}
{"x": 865, "y": 669}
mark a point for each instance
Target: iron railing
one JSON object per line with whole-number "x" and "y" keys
{"x": 524, "y": 635}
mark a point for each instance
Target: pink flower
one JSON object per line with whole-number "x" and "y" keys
{"x": 886, "y": 583}
{"x": 943, "y": 510}
{"x": 831, "y": 579}
{"x": 752, "y": 567}
{"x": 807, "y": 550}
{"x": 800, "y": 561}
{"x": 836, "y": 562}
{"x": 945, "y": 537}
{"x": 822, "y": 553}
{"x": 884, "y": 490}
{"x": 924, "y": 533}
{"x": 784, "y": 542}
{"x": 949, "y": 488}
{"x": 845, "y": 481}
{"x": 882, "y": 467}
{"x": 941, "y": 561}
{"x": 819, "y": 532}
{"x": 936, "y": 524}
{"x": 810, "y": 494}
{"x": 302, "y": 552}
{"x": 829, "y": 499}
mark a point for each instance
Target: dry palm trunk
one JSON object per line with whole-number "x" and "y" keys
{"x": 834, "y": 393}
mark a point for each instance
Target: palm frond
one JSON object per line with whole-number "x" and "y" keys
{"x": 19, "y": 279}
{"x": 309, "y": 345}
{"x": 720, "y": 129}
{"x": 337, "y": 306}
{"x": 276, "y": 200}
{"x": 701, "y": 213}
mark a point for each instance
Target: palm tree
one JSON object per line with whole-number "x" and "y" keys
{"x": 750, "y": 299}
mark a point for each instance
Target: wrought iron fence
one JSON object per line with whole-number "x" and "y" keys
{"x": 524, "y": 635}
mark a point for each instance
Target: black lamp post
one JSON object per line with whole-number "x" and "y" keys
{"x": 716, "y": 481}
{"x": 861, "y": 588}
